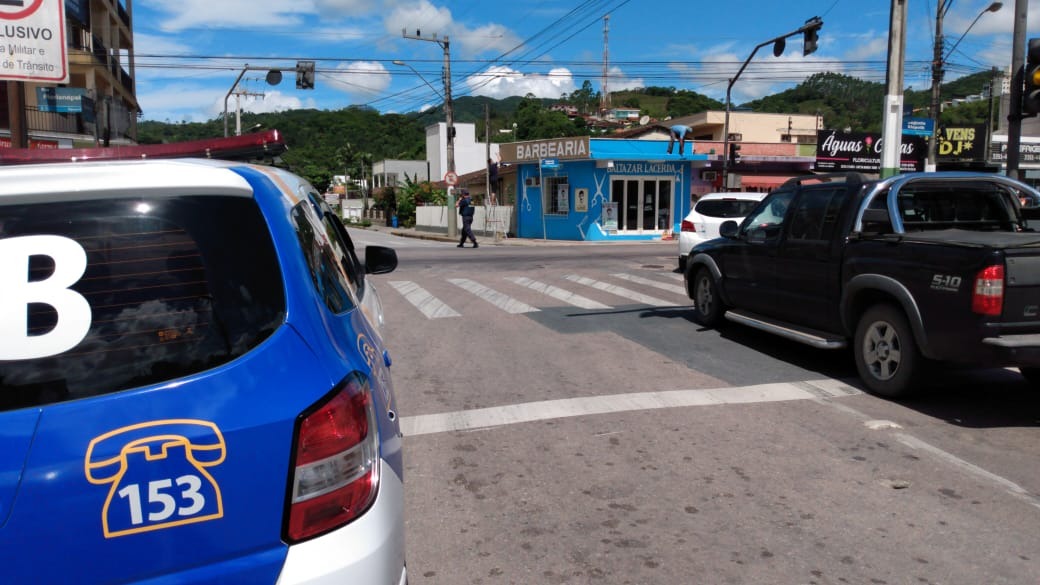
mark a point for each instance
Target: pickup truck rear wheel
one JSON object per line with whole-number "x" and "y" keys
{"x": 707, "y": 305}
{"x": 886, "y": 353}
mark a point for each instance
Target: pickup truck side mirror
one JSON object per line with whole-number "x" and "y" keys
{"x": 380, "y": 259}
{"x": 729, "y": 229}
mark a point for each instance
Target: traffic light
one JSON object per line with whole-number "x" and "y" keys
{"x": 1031, "y": 89}
{"x": 305, "y": 75}
{"x": 734, "y": 154}
{"x": 811, "y": 35}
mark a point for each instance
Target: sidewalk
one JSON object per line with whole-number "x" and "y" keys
{"x": 503, "y": 241}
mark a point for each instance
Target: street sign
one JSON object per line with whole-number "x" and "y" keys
{"x": 918, "y": 126}
{"x": 550, "y": 163}
{"x": 34, "y": 48}
{"x": 451, "y": 178}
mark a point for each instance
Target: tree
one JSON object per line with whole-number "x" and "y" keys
{"x": 535, "y": 122}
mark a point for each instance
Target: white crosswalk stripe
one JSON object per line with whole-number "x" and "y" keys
{"x": 620, "y": 291}
{"x": 557, "y": 293}
{"x": 428, "y": 304}
{"x": 504, "y": 302}
{"x": 673, "y": 288}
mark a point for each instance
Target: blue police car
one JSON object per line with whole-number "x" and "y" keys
{"x": 193, "y": 382}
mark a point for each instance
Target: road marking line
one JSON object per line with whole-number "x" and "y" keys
{"x": 913, "y": 442}
{"x": 620, "y": 291}
{"x": 504, "y": 302}
{"x": 1011, "y": 487}
{"x": 423, "y": 300}
{"x": 426, "y": 424}
{"x": 673, "y": 288}
{"x": 557, "y": 293}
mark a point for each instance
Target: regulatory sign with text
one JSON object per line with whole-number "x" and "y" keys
{"x": 32, "y": 41}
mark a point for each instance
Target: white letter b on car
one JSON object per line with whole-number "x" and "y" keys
{"x": 17, "y": 292}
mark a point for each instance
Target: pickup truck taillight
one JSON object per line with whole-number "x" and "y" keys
{"x": 336, "y": 473}
{"x": 687, "y": 226}
{"x": 987, "y": 298}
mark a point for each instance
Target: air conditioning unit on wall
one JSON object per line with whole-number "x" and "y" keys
{"x": 532, "y": 181}
{"x": 709, "y": 175}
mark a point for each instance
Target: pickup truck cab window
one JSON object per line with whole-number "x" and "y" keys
{"x": 765, "y": 223}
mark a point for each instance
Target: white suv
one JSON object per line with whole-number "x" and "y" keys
{"x": 703, "y": 221}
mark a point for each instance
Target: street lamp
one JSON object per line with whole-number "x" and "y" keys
{"x": 938, "y": 60}
{"x": 420, "y": 76}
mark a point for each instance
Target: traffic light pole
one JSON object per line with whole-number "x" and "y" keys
{"x": 809, "y": 29}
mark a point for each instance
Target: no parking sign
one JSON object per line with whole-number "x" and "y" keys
{"x": 32, "y": 41}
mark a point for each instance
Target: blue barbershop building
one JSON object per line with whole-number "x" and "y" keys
{"x": 601, "y": 189}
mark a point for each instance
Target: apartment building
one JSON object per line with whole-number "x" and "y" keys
{"x": 98, "y": 106}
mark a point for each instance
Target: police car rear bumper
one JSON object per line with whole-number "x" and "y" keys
{"x": 368, "y": 550}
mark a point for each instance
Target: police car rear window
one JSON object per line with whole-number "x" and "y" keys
{"x": 170, "y": 287}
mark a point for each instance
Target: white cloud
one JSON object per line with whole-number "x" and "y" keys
{"x": 421, "y": 17}
{"x": 149, "y": 44}
{"x": 187, "y": 14}
{"x": 272, "y": 101}
{"x": 501, "y": 82}
{"x": 360, "y": 78}
{"x": 617, "y": 81}
{"x": 870, "y": 45}
{"x": 178, "y": 102}
{"x": 341, "y": 8}
{"x": 488, "y": 38}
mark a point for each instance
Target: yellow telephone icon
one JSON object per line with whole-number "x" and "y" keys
{"x": 158, "y": 474}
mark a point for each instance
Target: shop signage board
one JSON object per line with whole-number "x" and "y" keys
{"x": 963, "y": 143}
{"x": 861, "y": 151}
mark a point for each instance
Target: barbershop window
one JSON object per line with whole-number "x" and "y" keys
{"x": 556, "y": 195}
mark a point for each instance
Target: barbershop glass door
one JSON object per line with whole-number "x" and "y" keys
{"x": 645, "y": 203}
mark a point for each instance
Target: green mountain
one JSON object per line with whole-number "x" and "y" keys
{"x": 323, "y": 143}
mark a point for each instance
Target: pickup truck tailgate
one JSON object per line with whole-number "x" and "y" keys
{"x": 1022, "y": 297}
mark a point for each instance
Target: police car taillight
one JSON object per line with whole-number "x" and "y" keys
{"x": 336, "y": 472}
{"x": 987, "y": 297}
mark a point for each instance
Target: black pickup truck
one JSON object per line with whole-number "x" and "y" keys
{"x": 915, "y": 269}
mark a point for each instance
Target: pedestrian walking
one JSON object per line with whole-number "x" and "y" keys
{"x": 466, "y": 210}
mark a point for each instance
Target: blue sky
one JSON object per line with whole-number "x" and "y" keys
{"x": 190, "y": 52}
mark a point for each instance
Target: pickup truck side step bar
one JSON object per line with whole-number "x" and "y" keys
{"x": 812, "y": 337}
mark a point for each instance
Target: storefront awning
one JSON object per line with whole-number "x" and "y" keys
{"x": 764, "y": 181}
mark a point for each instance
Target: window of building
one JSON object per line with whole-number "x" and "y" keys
{"x": 556, "y": 195}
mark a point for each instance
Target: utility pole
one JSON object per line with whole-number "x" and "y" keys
{"x": 892, "y": 125}
{"x": 1014, "y": 135}
{"x": 449, "y": 120}
{"x": 238, "y": 108}
{"x": 938, "y": 61}
{"x": 16, "y": 114}
{"x": 935, "y": 108}
{"x": 605, "y": 98}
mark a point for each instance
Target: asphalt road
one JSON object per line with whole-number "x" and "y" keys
{"x": 566, "y": 422}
